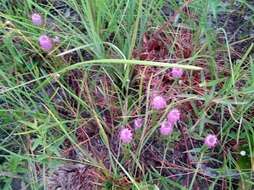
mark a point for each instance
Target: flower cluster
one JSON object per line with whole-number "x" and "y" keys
{"x": 126, "y": 135}
{"x": 166, "y": 127}
{"x": 177, "y": 72}
{"x": 158, "y": 102}
{"x": 211, "y": 141}
{"x": 173, "y": 116}
{"x": 46, "y": 43}
{"x": 37, "y": 19}
{"x": 138, "y": 122}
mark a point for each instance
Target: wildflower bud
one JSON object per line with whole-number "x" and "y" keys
{"x": 211, "y": 141}
{"x": 166, "y": 128}
{"x": 138, "y": 122}
{"x": 173, "y": 116}
{"x": 45, "y": 43}
{"x": 126, "y": 135}
{"x": 158, "y": 102}
{"x": 56, "y": 40}
{"x": 37, "y": 19}
{"x": 177, "y": 72}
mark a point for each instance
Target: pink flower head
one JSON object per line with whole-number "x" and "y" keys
{"x": 211, "y": 141}
{"x": 138, "y": 122}
{"x": 45, "y": 43}
{"x": 173, "y": 116}
{"x": 166, "y": 128}
{"x": 126, "y": 135}
{"x": 158, "y": 102}
{"x": 37, "y": 19}
{"x": 177, "y": 72}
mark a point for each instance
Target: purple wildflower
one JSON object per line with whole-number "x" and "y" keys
{"x": 173, "y": 116}
{"x": 177, "y": 72}
{"x": 138, "y": 122}
{"x": 166, "y": 128}
{"x": 211, "y": 141}
{"x": 126, "y": 135}
{"x": 158, "y": 102}
{"x": 37, "y": 19}
{"x": 45, "y": 43}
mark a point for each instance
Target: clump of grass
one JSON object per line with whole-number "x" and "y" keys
{"x": 128, "y": 98}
